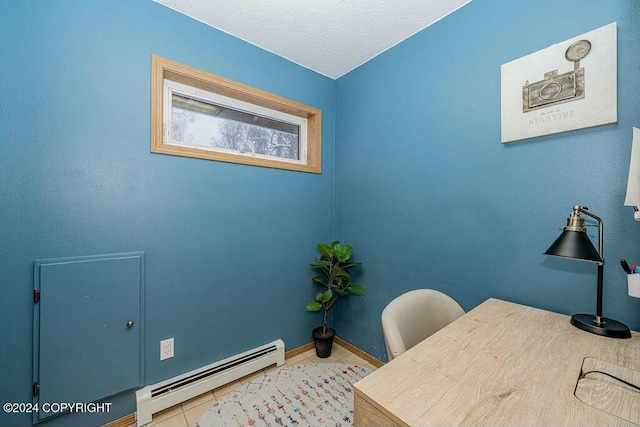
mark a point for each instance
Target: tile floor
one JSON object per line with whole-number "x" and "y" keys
{"x": 187, "y": 413}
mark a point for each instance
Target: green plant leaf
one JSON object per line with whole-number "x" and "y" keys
{"x": 320, "y": 263}
{"x": 313, "y": 306}
{"x": 335, "y": 242}
{"x": 350, "y": 264}
{"x": 320, "y": 297}
{"x": 356, "y": 289}
{"x": 326, "y": 297}
{"x": 343, "y": 252}
{"x": 325, "y": 250}
{"x": 337, "y": 271}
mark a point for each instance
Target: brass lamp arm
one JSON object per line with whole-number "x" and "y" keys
{"x": 585, "y": 210}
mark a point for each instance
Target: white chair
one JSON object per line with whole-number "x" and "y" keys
{"x": 414, "y": 316}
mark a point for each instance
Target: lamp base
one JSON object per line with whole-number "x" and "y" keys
{"x": 609, "y": 327}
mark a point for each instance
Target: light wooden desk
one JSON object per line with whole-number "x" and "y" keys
{"x": 505, "y": 364}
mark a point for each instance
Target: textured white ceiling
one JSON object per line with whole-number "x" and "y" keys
{"x": 331, "y": 37}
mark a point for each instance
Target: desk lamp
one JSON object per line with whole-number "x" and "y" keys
{"x": 574, "y": 243}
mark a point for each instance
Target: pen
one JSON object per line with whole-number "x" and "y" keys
{"x": 625, "y": 266}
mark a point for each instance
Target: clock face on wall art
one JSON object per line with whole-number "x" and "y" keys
{"x": 578, "y": 50}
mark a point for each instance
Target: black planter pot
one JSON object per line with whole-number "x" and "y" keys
{"x": 324, "y": 343}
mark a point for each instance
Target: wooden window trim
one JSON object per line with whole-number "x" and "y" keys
{"x": 162, "y": 68}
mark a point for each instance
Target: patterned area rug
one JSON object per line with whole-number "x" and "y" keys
{"x": 299, "y": 395}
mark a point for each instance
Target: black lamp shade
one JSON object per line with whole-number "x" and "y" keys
{"x": 575, "y": 245}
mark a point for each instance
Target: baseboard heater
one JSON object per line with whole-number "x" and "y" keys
{"x": 154, "y": 398}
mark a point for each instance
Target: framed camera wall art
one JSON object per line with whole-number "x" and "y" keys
{"x": 567, "y": 86}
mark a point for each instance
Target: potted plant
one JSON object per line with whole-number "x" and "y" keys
{"x": 334, "y": 263}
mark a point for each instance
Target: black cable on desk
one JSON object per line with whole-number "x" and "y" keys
{"x": 584, "y": 374}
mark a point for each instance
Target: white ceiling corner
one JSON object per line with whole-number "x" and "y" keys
{"x": 331, "y": 37}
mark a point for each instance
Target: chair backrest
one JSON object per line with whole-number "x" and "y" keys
{"x": 414, "y": 316}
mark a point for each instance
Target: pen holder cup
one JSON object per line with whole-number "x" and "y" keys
{"x": 633, "y": 282}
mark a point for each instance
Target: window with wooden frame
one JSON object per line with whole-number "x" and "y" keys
{"x": 201, "y": 115}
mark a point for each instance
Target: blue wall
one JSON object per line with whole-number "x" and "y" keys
{"x": 227, "y": 246}
{"x": 429, "y": 197}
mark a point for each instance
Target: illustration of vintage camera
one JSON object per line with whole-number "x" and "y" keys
{"x": 558, "y": 88}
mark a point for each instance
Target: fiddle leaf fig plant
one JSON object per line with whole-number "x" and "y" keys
{"x": 334, "y": 264}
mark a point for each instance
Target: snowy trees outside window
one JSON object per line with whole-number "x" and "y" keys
{"x": 197, "y": 114}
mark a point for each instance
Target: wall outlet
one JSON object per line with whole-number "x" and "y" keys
{"x": 166, "y": 349}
